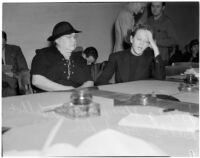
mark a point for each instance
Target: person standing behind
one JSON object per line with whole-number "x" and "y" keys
{"x": 125, "y": 22}
{"x": 163, "y": 29}
{"x": 58, "y": 67}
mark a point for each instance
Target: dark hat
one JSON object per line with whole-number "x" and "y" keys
{"x": 60, "y": 29}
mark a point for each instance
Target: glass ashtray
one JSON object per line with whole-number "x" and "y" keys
{"x": 77, "y": 111}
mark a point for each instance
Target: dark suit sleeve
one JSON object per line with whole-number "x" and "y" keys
{"x": 20, "y": 59}
{"x": 107, "y": 72}
{"x": 158, "y": 69}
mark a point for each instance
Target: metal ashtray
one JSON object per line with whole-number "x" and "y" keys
{"x": 136, "y": 99}
{"x": 81, "y": 105}
{"x": 188, "y": 87}
{"x": 191, "y": 79}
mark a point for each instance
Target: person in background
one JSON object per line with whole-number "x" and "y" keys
{"x": 14, "y": 68}
{"x": 57, "y": 67}
{"x": 142, "y": 61}
{"x": 176, "y": 56}
{"x": 163, "y": 29}
{"x": 191, "y": 53}
{"x": 90, "y": 54}
{"x": 125, "y": 22}
{"x": 194, "y": 51}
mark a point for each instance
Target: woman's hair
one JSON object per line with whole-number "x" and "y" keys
{"x": 141, "y": 27}
{"x": 91, "y": 51}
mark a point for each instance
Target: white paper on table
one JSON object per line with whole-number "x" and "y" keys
{"x": 105, "y": 143}
{"x": 113, "y": 143}
{"x": 183, "y": 122}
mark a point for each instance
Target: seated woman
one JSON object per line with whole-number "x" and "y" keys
{"x": 137, "y": 63}
{"x": 57, "y": 67}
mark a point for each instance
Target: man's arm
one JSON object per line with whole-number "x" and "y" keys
{"x": 126, "y": 23}
{"x": 123, "y": 24}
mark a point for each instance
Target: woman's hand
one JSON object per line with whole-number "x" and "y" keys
{"x": 88, "y": 84}
{"x": 152, "y": 43}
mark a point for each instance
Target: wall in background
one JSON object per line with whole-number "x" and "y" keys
{"x": 185, "y": 16}
{"x": 30, "y": 24}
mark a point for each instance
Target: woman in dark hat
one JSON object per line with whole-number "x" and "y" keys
{"x": 57, "y": 67}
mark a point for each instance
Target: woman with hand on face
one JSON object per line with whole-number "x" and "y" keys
{"x": 58, "y": 67}
{"x": 142, "y": 61}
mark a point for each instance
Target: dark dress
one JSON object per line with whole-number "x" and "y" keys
{"x": 128, "y": 67}
{"x": 50, "y": 63}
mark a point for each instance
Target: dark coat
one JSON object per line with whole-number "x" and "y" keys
{"x": 15, "y": 58}
{"x": 120, "y": 64}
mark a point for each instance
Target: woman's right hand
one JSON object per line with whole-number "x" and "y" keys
{"x": 152, "y": 43}
{"x": 88, "y": 84}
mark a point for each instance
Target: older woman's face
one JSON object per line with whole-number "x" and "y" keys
{"x": 68, "y": 42}
{"x": 139, "y": 42}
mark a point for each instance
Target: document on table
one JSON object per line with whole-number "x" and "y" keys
{"x": 173, "y": 121}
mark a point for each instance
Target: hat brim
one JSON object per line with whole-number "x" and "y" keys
{"x": 53, "y": 38}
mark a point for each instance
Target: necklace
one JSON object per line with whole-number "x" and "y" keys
{"x": 69, "y": 69}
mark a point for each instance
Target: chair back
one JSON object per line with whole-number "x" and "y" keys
{"x": 97, "y": 69}
{"x": 24, "y": 82}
